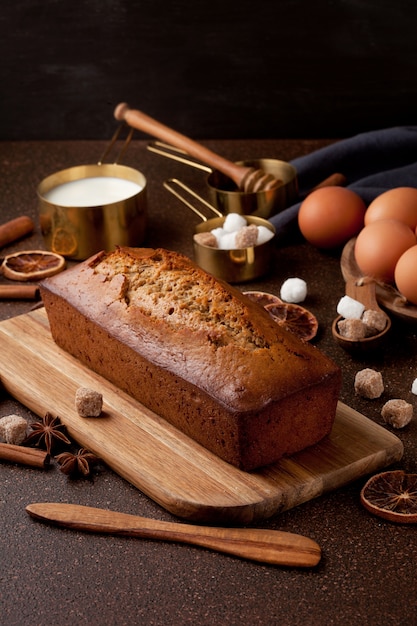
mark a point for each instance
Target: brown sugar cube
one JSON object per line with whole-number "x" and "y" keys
{"x": 352, "y": 329}
{"x": 89, "y": 403}
{"x": 376, "y": 320}
{"x": 247, "y": 236}
{"x": 397, "y": 413}
{"x": 369, "y": 383}
{"x": 13, "y": 429}
{"x": 206, "y": 239}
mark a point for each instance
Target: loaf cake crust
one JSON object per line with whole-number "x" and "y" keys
{"x": 195, "y": 351}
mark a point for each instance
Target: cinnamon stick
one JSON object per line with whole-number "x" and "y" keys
{"x": 15, "y": 229}
{"x": 24, "y": 455}
{"x": 19, "y": 292}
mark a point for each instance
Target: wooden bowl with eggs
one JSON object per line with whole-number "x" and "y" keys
{"x": 388, "y": 297}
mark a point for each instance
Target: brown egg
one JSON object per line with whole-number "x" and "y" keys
{"x": 330, "y": 216}
{"x": 406, "y": 274}
{"x": 379, "y": 246}
{"x": 398, "y": 204}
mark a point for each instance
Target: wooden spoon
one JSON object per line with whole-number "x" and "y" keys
{"x": 363, "y": 291}
{"x": 266, "y": 546}
{"x": 247, "y": 179}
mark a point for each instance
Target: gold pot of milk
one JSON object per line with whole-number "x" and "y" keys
{"x": 88, "y": 208}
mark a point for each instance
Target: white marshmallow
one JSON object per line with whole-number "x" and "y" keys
{"x": 264, "y": 234}
{"x": 227, "y": 241}
{"x": 233, "y": 222}
{"x": 293, "y": 290}
{"x": 218, "y": 233}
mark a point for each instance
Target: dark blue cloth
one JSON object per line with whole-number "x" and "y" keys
{"x": 372, "y": 163}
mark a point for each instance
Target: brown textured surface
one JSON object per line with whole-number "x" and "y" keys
{"x": 197, "y": 353}
{"x": 49, "y": 575}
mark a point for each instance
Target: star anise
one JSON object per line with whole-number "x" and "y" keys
{"x": 76, "y": 464}
{"x": 47, "y": 433}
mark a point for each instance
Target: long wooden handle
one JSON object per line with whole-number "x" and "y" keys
{"x": 363, "y": 292}
{"x": 267, "y": 546}
{"x": 147, "y": 124}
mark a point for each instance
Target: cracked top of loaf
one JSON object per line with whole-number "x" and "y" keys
{"x": 173, "y": 313}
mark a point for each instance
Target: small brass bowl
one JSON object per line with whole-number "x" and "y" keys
{"x": 228, "y": 199}
{"x": 234, "y": 266}
{"x": 77, "y": 230}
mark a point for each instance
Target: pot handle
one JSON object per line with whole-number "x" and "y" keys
{"x": 112, "y": 143}
{"x": 171, "y": 185}
{"x": 170, "y": 152}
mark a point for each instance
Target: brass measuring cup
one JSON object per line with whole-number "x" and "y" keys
{"x": 77, "y": 231}
{"x": 226, "y": 197}
{"x": 234, "y": 266}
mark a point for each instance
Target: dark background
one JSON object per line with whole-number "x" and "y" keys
{"x": 219, "y": 69}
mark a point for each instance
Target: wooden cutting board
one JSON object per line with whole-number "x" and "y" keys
{"x": 173, "y": 470}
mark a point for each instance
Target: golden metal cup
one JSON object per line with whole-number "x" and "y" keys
{"x": 224, "y": 195}
{"x": 78, "y": 232}
{"x": 234, "y": 266}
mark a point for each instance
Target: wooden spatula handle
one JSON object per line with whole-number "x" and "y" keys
{"x": 141, "y": 121}
{"x": 267, "y": 546}
{"x": 364, "y": 292}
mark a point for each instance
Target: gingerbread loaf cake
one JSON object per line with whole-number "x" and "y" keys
{"x": 195, "y": 351}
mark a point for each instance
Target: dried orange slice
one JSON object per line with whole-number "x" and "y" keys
{"x": 392, "y": 495}
{"x": 262, "y": 297}
{"x": 64, "y": 242}
{"x": 294, "y": 318}
{"x": 32, "y": 265}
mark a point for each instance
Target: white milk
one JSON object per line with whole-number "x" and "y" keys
{"x": 95, "y": 191}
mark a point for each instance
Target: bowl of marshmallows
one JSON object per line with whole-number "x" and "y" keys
{"x": 236, "y": 248}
